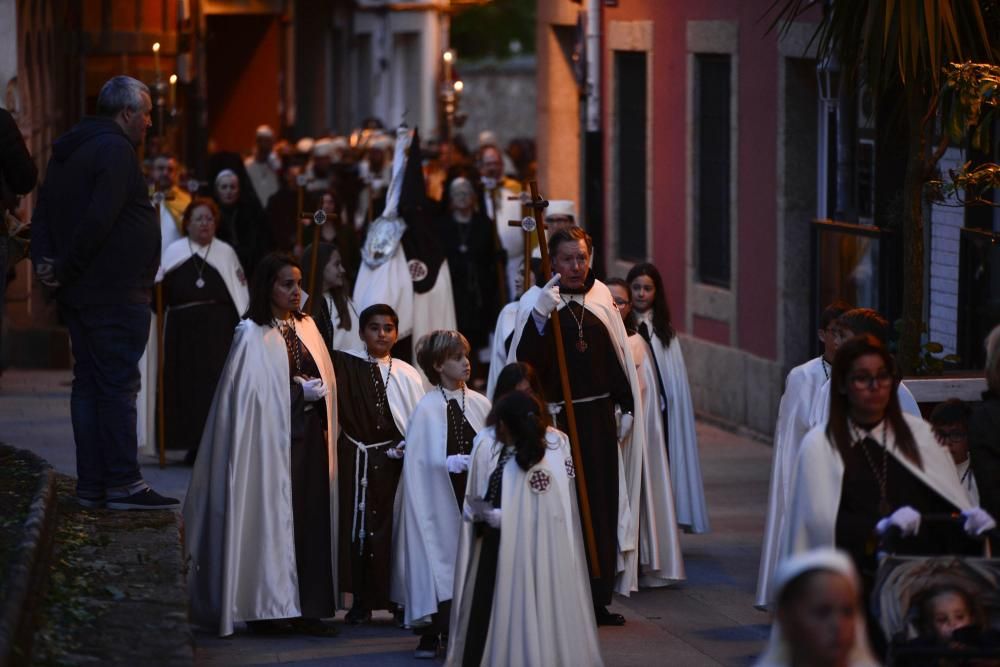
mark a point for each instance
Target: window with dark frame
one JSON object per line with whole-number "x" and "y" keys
{"x": 630, "y": 158}
{"x": 712, "y": 164}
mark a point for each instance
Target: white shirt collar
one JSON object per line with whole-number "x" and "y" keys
{"x": 881, "y": 433}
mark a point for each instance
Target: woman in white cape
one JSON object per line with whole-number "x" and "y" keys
{"x": 649, "y": 303}
{"x": 521, "y": 593}
{"x": 260, "y": 513}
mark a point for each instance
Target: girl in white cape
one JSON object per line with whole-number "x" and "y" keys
{"x": 428, "y": 512}
{"x": 260, "y": 513}
{"x": 521, "y": 580}
{"x": 649, "y": 303}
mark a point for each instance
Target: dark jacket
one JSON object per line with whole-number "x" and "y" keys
{"x": 18, "y": 172}
{"x": 984, "y": 452}
{"x": 94, "y": 218}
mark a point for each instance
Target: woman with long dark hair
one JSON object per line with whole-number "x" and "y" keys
{"x": 331, "y": 306}
{"x": 521, "y": 594}
{"x": 259, "y": 518}
{"x": 872, "y": 467}
{"x": 652, "y": 316}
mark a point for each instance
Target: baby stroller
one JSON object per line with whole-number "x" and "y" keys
{"x": 907, "y": 586}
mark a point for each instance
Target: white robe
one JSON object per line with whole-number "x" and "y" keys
{"x": 506, "y": 321}
{"x": 801, "y": 387}
{"x": 682, "y": 437}
{"x": 601, "y": 304}
{"x": 343, "y": 339}
{"x": 427, "y": 519}
{"x": 811, "y": 517}
{"x": 238, "y": 524}
{"x": 511, "y": 238}
{"x": 660, "y": 560}
{"x": 542, "y": 612}
{"x": 223, "y": 259}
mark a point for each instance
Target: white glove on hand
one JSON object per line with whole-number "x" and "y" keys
{"x": 624, "y": 426}
{"x": 457, "y": 463}
{"x": 977, "y": 521}
{"x": 398, "y": 451}
{"x": 548, "y": 299}
{"x": 312, "y": 390}
{"x": 46, "y": 273}
{"x": 905, "y": 518}
{"x": 492, "y": 518}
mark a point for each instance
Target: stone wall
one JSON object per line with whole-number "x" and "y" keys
{"x": 499, "y": 96}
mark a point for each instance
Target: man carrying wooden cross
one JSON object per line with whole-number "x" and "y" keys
{"x": 602, "y": 378}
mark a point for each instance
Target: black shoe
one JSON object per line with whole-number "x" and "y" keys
{"x": 400, "y": 618}
{"x": 358, "y": 615}
{"x": 269, "y": 627}
{"x": 428, "y": 647}
{"x": 147, "y": 499}
{"x": 312, "y": 627}
{"x": 90, "y": 503}
{"x": 605, "y": 617}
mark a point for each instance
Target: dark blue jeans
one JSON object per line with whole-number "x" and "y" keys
{"x": 108, "y": 341}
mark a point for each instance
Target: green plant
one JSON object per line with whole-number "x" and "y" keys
{"x": 928, "y": 360}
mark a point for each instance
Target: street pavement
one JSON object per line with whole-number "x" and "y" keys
{"x": 708, "y": 620}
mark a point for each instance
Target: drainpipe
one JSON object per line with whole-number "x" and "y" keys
{"x": 593, "y": 160}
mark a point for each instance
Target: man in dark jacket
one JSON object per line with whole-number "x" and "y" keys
{"x": 96, "y": 242}
{"x": 18, "y": 175}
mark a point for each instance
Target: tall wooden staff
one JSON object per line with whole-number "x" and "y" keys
{"x": 161, "y": 435}
{"x": 319, "y": 219}
{"x": 524, "y": 198}
{"x": 538, "y": 205}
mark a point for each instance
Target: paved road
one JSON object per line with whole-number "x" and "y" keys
{"x": 707, "y": 621}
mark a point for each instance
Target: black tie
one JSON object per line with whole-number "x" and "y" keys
{"x": 496, "y": 477}
{"x": 644, "y": 331}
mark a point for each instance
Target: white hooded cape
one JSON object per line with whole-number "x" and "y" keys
{"x": 811, "y": 513}
{"x": 499, "y": 353}
{"x": 238, "y": 525}
{"x": 542, "y": 612}
{"x": 660, "y": 560}
{"x": 427, "y": 519}
{"x": 403, "y": 390}
{"x": 601, "y": 304}
{"x": 682, "y": 437}
{"x": 801, "y": 387}
{"x": 343, "y": 339}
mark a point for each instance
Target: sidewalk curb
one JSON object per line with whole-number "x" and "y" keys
{"x": 28, "y": 574}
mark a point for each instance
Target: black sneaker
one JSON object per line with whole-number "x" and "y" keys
{"x": 427, "y": 648}
{"x": 147, "y": 499}
{"x": 90, "y": 503}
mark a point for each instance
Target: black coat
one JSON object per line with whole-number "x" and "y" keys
{"x": 984, "y": 451}
{"x": 18, "y": 172}
{"x": 94, "y": 218}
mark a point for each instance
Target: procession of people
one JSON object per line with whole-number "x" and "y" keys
{"x": 389, "y": 404}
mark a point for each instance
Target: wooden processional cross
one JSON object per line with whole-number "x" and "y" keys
{"x": 536, "y": 223}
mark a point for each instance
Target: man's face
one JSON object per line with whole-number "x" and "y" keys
{"x": 164, "y": 172}
{"x": 491, "y": 164}
{"x": 135, "y": 122}
{"x": 572, "y": 262}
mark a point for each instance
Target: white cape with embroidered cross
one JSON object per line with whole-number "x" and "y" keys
{"x": 542, "y": 612}
{"x": 600, "y": 303}
{"x": 238, "y": 524}
{"x": 427, "y": 518}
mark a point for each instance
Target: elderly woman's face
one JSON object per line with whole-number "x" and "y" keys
{"x": 228, "y": 190}
{"x": 201, "y": 227}
{"x": 461, "y": 197}
{"x": 821, "y": 622}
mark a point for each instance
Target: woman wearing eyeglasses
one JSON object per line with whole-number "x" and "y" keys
{"x": 871, "y": 467}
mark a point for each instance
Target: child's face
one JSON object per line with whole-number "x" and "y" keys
{"x": 643, "y": 291}
{"x": 455, "y": 368}
{"x": 380, "y": 335}
{"x": 949, "y": 613}
{"x": 821, "y": 623}
{"x": 955, "y": 438}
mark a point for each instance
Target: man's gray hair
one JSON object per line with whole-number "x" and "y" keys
{"x": 120, "y": 92}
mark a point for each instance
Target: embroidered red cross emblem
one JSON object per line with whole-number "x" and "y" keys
{"x": 539, "y": 481}
{"x": 570, "y": 469}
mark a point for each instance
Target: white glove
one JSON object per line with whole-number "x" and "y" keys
{"x": 978, "y": 521}
{"x": 905, "y": 518}
{"x": 548, "y": 299}
{"x": 46, "y": 273}
{"x": 398, "y": 451}
{"x": 624, "y": 426}
{"x": 457, "y": 463}
{"x": 492, "y": 518}
{"x": 312, "y": 390}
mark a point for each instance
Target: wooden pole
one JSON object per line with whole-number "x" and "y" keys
{"x": 527, "y": 255}
{"x": 538, "y": 205}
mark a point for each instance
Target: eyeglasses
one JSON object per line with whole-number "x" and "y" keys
{"x": 621, "y": 302}
{"x": 865, "y": 381}
{"x": 951, "y": 435}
